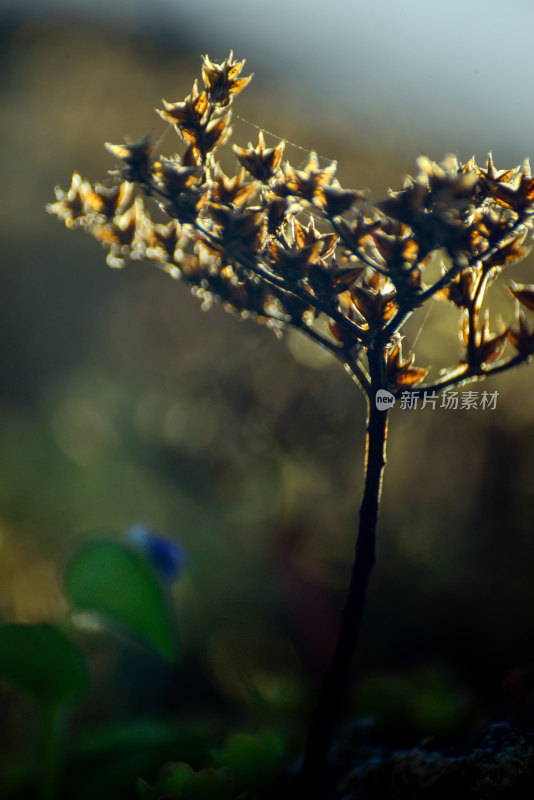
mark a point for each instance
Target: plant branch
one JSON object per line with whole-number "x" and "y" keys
{"x": 356, "y": 251}
{"x": 270, "y": 280}
{"x": 358, "y": 372}
{"x": 403, "y": 313}
{"x": 307, "y": 330}
{"x": 334, "y": 686}
{"x": 472, "y": 374}
{"x": 52, "y": 732}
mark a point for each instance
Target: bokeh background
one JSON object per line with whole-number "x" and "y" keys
{"x": 122, "y": 401}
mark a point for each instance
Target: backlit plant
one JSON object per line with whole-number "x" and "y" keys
{"x": 292, "y": 248}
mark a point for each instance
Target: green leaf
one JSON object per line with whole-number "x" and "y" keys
{"x": 120, "y": 585}
{"x": 41, "y": 662}
{"x": 208, "y": 784}
{"x": 173, "y": 777}
{"x": 144, "y": 790}
{"x": 254, "y": 760}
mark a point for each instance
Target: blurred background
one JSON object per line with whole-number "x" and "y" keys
{"x": 122, "y": 401}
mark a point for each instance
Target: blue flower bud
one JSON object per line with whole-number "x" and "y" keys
{"x": 167, "y": 557}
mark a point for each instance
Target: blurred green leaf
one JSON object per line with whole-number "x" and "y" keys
{"x": 144, "y": 790}
{"x": 113, "y": 581}
{"x": 254, "y": 760}
{"x": 173, "y": 778}
{"x": 179, "y": 781}
{"x": 41, "y": 662}
{"x": 427, "y": 701}
{"x": 208, "y": 784}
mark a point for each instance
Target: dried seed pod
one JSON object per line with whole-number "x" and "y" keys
{"x": 244, "y": 241}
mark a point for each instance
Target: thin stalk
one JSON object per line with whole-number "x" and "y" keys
{"x": 335, "y": 684}
{"x": 51, "y": 756}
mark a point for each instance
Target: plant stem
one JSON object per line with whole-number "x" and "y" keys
{"x": 334, "y": 686}
{"x": 53, "y": 719}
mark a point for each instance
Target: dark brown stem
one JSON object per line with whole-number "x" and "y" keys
{"x": 335, "y": 684}
{"x": 469, "y": 374}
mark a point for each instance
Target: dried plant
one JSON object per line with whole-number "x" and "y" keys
{"x": 292, "y": 248}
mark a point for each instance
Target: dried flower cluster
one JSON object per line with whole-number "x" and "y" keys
{"x": 294, "y": 248}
